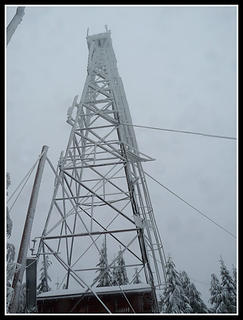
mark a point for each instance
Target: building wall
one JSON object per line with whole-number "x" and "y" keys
{"x": 141, "y": 303}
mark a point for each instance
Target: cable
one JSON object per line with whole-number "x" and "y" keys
{"x": 21, "y": 189}
{"x": 27, "y": 176}
{"x": 182, "y": 131}
{"x": 20, "y": 183}
{"x": 203, "y": 214}
{"x": 31, "y": 169}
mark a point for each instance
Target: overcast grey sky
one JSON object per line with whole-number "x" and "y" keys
{"x": 179, "y": 68}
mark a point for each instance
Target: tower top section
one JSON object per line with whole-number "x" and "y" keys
{"x": 100, "y": 39}
{"x": 101, "y": 55}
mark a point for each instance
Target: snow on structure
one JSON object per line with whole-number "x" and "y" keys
{"x": 100, "y": 187}
{"x": 140, "y": 287}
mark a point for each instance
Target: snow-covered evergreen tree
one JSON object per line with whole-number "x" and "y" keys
{"x": 119, "y": 271}
{"x": 10, "y": 262}
{"x": 9, "y": 224}
{"x": 234, "y": 278}
{"x": 9, "y": 221}
{"x": 136, "y": 277}
{"x": 216, "y": 299}
{"x": 185, "y": 281}
{"x": 235, "y": 284}
{"x": 114, "y": 275}
{"x": 11, "y": 265}
{"x": 161, "y": 302}
{"x": 104, "y": 276}
{"x": 174, "y": 299}
{"x": 195, "y": 301}
{"x": 57, "y": 284}
{"x": 228, "y": 289}
{"x": 22, "y": 299}
{"x": 223, "y": 295}
{"x": 44, "y": 277}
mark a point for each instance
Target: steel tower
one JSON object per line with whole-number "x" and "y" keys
{"x": 100, "y": 187}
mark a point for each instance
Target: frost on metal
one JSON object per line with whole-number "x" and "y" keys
{"x": 100, "y": 188}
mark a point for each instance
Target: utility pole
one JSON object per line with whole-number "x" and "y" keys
{"x": 12, "y": 26}
{"x": 18, "y": 277}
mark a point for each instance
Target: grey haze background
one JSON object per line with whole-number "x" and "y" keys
{"x": 178, "y": 66}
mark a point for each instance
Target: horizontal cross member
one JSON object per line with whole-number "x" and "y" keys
{"x": 94, "y": 165}
{"x": 111, "y": 267}
{"x": 88, "y": 234}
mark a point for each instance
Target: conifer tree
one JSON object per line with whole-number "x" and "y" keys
{"x": 235, "y": 277}
{"x": 104, "y": 277}
{"x": 161, "y": 302}
{"x": 9, "y": 221}
{"x": 57, "y": 284}
{"x": 185, "y": 281}
{"x": 216, "y": 299}
{"x": 119, "y": 271}
{"x": 235, "y": 284}
{"x": 228, "y": 289}
{"x": 44, "y": 277}
{"x": 195, "y": 301}
{"x": 174, "y": 299}
{"x": 114, "y": 275}
{"x": 223, "y": 295}
{"x": 136, "y": 277}
{"x": 22, "y": 299}
{"x": 11, "y": 265}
